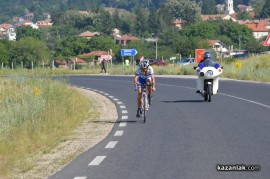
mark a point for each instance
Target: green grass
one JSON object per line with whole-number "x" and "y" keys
{"x": 36, "y": 114}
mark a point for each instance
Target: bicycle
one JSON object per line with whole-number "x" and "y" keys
{"x": 144, "y": 100}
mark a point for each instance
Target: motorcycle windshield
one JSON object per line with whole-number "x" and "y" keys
{"x": 209, "y": 63}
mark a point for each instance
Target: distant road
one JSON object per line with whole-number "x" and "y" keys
{"x": 184, "y": 137}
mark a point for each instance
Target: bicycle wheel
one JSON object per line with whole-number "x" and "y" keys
{"x": 209, "y": 90}
{"x": 144, "y": 107}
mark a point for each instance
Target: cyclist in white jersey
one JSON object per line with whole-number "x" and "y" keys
{"x": 144, "y": 75}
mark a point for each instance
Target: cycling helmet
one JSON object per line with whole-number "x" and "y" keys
{"x": 207, "y": 55}
{"x": 144, "y": 63}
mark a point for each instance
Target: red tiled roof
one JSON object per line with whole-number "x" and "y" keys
{"x": 5, "y": 26}
{"x": 213, "y": 42}
{"x": 78, "y": 60}
{"x": 61, "y": 62}
{"x": 127, "y": 37}
{"x": 177, "y": 21}
{"x": 257, "y": 27}
{"x": 89, "y": 34}
{"x": 95, "y": 53}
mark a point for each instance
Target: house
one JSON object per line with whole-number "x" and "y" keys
{"x": 219, "y": 17}
{"x": 89, "y": 34}
{"x": 115, "y": 32}
{"x": 45, "y": 23}
{"x": 259, "y": 30}
{"x": 125, "y": 39}
{"x": 244, "y": 8}
{"x": 178, "y": 23}
{"x": 219, "y": 47}
{"x": 60, "y": 63}
{"x": 8, "y": 31}
{"x": 77, "y": 60}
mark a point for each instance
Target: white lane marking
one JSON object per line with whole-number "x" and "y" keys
{"x": 80, "y": 177}
{"x": 101, "y": 92}
{"x": 97, "y": 160}
{"x": 115, "y": 99}
{"x": 111, "y": 145}
{"x": 245, "y": 100}
{"x": 122, "y": 124}
{"x": 119, "y": 102}
{"x": 124, "y": 117}
{"x": 124, "y": 111}
{"x": 106, "y": 94}
{"x": 122, "y": 107}
{"x": 118, "y": 133}
{"x": 89, "y": 88}
{"x": 111, "y": 96}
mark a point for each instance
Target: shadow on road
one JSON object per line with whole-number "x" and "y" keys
{"x": 183, "y": 101}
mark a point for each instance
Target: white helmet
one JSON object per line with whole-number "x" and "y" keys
{"x": 144, "y": 63}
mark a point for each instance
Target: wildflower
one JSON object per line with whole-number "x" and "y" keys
{"x": 36, "y": 91}
{"x": 238, "y": 64}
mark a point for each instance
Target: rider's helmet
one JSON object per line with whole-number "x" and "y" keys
{"x": 144, "y": 63}
{"x": 207, "y": 55}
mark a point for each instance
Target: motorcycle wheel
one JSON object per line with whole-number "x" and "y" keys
{"x": 208, "y": 92}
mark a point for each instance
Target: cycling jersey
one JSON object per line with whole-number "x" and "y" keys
{"x": 143, "y": 77}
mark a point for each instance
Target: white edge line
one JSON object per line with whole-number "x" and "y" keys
{"x": 80, "y": 177}
{"x": 111, "y": 145}
{"x": 97, "y": 160}
{"x": 245, "y": 100}
{"x": 123, "y": 124}
{"x": 118, "y": 133}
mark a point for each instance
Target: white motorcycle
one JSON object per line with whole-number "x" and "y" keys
{"x": 208, "y": 79}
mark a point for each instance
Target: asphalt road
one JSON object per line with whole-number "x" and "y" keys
{"x": 184, "y": 137}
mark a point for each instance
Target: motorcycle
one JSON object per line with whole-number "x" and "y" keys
{"x": 208, "y": 79}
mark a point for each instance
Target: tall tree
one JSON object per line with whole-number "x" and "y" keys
{"x": 265, "y": 13}
{"x": 186, "y": 10}
{"x": 209, "y": 7}
{"x": 140, "y": 25}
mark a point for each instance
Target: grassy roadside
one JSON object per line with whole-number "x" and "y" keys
{"x": 254, "y": 68}
{"x": 36, "y": 114}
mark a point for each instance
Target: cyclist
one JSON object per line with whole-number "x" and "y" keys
{"x": 144, "y": 75}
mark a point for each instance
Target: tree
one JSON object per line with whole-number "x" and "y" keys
{"x": 28, "y": 31}
{"x": 186, "y": 10}
{"x": 209, "y": 7}
{"x": 153, "y": 21}
{"x": 265, "y": 13}
{"x": 140, "y": 25}
{"x": 28, "y": 50}
{"x": 4, "y": 57}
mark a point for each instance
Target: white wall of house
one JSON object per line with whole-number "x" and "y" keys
{"x": 259, "y": 35}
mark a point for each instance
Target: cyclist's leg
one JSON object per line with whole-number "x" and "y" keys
{"x": 139, "y": 100}
{"x": 149, "y": 87}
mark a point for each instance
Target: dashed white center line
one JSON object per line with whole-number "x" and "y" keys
{"x": 115, "y": 99}
{"x": 97, "y": 160}
{"x": 118, "y": 133}
{"x": 89, "y": 88}
{"x": 106, "y": 94}
{"x": 124, "y": 117}
{"x": 122, "y": 107}
{"x": 80, "y": 177}
{"x": 111, "y": 145}
{"x": 124, "y": 111}
{"x": 122, "y": 124}
{"x": 111, "y": 96}
{"x": 119, "y": 102}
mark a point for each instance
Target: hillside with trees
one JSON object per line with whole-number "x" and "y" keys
{"x": 62, "y": 40}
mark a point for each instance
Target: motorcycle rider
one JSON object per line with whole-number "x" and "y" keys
{"x": 207, "y": 61}
{"x": 144, "y": 75}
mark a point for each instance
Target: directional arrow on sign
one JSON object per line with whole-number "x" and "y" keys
{"x": 267, "y": 41}
{"x": 128, "y": 52}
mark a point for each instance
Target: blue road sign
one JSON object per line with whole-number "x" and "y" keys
{"x": 128, "y": 52}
